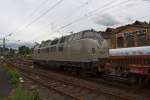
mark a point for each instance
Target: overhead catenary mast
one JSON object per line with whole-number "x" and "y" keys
{"x": 3, "y": 50}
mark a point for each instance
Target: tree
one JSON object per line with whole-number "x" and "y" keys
{"x": 24, "y": 50}
{"x": 11, "y": 52}
{"x": 7, "y": 52}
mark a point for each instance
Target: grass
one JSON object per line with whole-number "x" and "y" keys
{"x": 2, "y": 98}
{"x": 21, "y": 94}
{"x": 13, "y": 75}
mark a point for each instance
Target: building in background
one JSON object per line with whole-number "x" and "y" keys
{"x": 131, "y": 35}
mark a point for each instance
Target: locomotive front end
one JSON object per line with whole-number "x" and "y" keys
{"x": 97, "y": 46}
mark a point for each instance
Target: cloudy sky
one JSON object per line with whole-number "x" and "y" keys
{"x": 37, "y": 20}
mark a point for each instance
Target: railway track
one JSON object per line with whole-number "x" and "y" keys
{"x": 67, "y": 88}
{"x": 114, "y": 80}
{"x": 43, "y": 83}
{"x": 104, "y": 85}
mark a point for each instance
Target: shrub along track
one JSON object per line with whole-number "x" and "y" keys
{"x": 68, "y": 87}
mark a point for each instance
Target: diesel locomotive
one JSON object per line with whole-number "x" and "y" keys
{"x": 79, "y": 51}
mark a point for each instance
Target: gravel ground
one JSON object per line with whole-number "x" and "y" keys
{"x": 44, "y": 93}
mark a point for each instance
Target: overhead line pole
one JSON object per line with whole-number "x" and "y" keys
{"x": 4, "y": 44}
{"x": 3, "y": 49}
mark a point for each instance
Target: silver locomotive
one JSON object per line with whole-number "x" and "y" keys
{"x": 78, "y": 51}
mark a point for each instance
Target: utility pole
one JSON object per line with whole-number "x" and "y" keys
{"x": 3, "y": 51}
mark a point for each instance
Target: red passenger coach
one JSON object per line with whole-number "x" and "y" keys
{"x": 135, "y": 68}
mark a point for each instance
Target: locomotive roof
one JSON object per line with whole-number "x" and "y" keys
{"x": 49, "y": 42}
{"x": 36, "y": 46}
{"x": 45, "y": 43}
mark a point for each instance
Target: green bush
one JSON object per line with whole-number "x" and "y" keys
{"x": 2, "y": 98}
{"x": 25, "y": 95}
{"x": 14, "y": 75}
{"x": 19, "y": 94}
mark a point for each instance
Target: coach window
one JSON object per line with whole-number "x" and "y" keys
{"x": 60, "y": 48}
{"x": 54, "y": 42}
